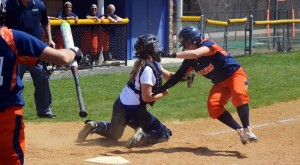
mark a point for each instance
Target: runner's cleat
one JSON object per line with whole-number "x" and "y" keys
{"x": 242, "y": 135}
{"x": 250, "y": 135}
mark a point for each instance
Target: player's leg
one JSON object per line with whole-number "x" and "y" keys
{"x": 113, "y": 129}
{"x": 42, "y": 93}
{"x": 12, "y": 143}
{"x": 151, "y": 130}
{"x": 217, "y": 99}
{"x": 240, "y": 100}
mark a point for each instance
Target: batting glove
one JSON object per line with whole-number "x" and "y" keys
{"x": 78, "y": 54}
{"x": 167, "y": 54}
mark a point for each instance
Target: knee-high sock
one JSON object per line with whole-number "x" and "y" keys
{"x": 102, "y": 127}
{"x": 227, "y": 119}
{"x": 243, "y": 112}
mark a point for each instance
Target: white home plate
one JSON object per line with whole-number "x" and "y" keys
{"x": 108, "y": 160}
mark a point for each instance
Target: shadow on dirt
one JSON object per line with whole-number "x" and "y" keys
{"x": 102, "y": 141}
{"x": 204, "y": 151}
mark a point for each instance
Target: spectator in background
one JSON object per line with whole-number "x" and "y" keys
{"x": 104, "y": 35}
{"x": 90, "y": 37}
{"x": 65, "y": 14}
{"x": 30, "y": 16}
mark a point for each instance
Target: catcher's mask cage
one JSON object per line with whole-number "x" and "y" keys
{"x": 2, "y": 12}
{"x": 147, "y": 44}
{"x": 189, "y": 34}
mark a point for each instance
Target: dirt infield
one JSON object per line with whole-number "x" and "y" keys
{"x": 201, "y": 141}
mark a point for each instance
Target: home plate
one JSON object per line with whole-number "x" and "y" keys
{"x": 108, "y": 160}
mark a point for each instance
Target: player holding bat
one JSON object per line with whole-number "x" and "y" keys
{"x": 228, "y": 77}
{"x": 16, "y": 48}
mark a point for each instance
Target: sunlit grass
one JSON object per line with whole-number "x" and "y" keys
{"x": 273, "y": 78}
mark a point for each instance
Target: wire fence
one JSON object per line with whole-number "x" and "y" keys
{"x": 98, "y": 42}
{"x": 245, "y": 37}
{"x": 235, "y": 37}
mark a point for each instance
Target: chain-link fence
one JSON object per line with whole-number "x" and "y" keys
{"x": 244, "y": 35}
{"x": 235, "y": 37}
{"x": 101, "y": 44}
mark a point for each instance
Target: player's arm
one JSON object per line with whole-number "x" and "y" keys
{"x": 147, "y": 93}
{"x": 57, "y": 56}
{"x": 93, "y": 17}
{"x": 118, "y": 19}
{"x": 112, "y": 19}
{"x": 193, "y": 54}
{"x": 167, "y": 74}
{"x": 29, "y": 47}
{"x": 174, "y": 79}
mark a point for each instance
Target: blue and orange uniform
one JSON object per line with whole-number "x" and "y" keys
{"x": 30, "y": 19}
{"x": 228, "y": 78}
{"x": 15, "y": 48}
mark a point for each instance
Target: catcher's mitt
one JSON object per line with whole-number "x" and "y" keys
{"x": 190, "y": 78}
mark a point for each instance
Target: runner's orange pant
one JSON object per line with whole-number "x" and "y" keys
{"x": 12, "y": 138}
{"x": 234, "y": 87}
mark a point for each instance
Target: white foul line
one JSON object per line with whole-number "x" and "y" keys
{"x": 255, "y": 126}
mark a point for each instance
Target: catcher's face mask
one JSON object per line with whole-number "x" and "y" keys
{"x": 148, "y": 44}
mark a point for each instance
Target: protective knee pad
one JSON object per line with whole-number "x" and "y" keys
{"x": 161, "y": 135}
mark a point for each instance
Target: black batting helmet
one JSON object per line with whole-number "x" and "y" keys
{"x": 147, "y": 44}
{"x": 190, "y": 34}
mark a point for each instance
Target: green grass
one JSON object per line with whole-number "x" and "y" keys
{"x": 273, "y": 78}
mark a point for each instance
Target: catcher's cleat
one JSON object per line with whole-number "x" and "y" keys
{"x": 86, "y": 130}
{"x": 243, "y": 136}
{"x": 250, "y": 135}
{"x": 137, "y": 139}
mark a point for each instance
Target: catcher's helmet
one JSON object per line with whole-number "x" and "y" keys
{"x": 190, "y": 34}
{"x": 147, "y": 44}
{"x": 2, "y": 11}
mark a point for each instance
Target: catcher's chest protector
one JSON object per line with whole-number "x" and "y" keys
{"x": 158, "y": 76}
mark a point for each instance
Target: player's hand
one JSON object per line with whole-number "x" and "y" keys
{"x": 78, "y": 54}
{"x": 167, "y": 54}
{"x": 51, "y": 44}
{"x": 166, "y": 92}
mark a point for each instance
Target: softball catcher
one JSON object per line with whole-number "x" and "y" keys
{"x": 130, "y": 108}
